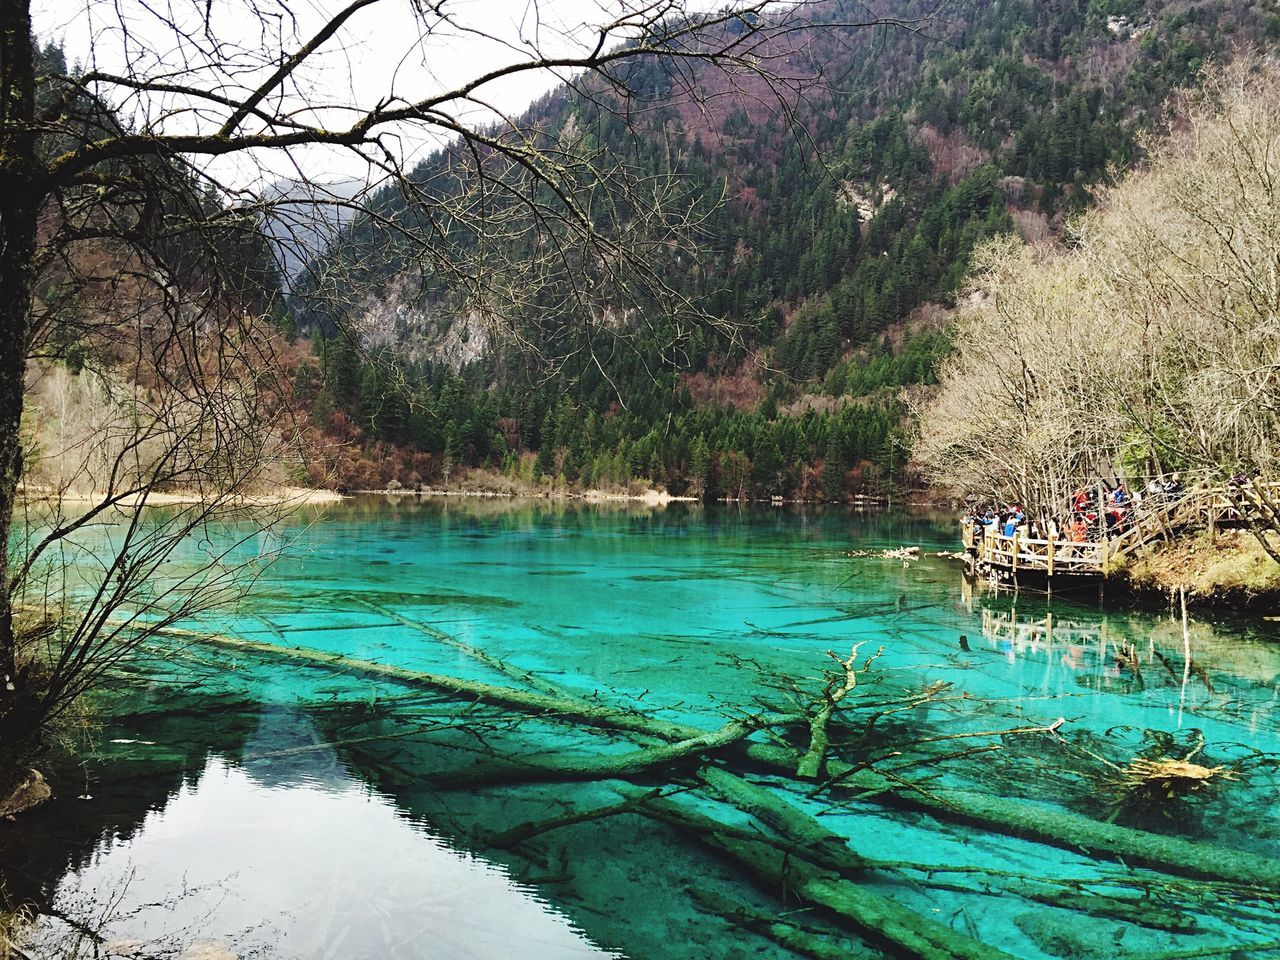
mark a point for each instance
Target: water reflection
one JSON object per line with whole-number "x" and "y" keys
{"x": 1066, "y": 640}
{"x": 1145, "y": 670}
{"x": 303, "y": 862}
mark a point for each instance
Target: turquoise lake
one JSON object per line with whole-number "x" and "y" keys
{"x": 236, "y": 803}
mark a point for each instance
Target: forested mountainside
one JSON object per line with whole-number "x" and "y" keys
{"x": 831, "y": 237}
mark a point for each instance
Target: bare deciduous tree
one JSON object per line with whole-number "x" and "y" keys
{"x": 1154, "y": 340}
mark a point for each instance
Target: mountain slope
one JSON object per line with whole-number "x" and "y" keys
{"x": 843, "y": 221}
{"x": 303, "y": 218}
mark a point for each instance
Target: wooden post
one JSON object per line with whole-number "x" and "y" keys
{"x": 1102, "y": 520}
{"x": 1014, "y": 542}
{"x": 1050, "y": 558}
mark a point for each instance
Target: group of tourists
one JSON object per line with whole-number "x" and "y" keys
{"x": 1093, "y": 513}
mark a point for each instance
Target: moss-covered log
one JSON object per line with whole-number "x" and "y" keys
{"x": 1050, "y": 825}
{"x": 836, "y": 690}
{"x": 902, "y": 931}
{"x": 801, "y": 830}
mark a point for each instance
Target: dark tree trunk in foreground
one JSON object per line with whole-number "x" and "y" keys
{"x": 18, "y": 205}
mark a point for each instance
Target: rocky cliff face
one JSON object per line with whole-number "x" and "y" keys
{"x": 419, "y": 331}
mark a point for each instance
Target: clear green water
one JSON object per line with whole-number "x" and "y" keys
{"x": 289, "y": 811}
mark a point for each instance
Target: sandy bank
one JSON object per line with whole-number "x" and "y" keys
{"x": 280, "y": 497}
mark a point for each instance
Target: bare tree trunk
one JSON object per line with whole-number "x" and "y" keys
{"x": 18, "y": 208}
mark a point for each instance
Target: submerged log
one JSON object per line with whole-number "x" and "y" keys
{"x": 880, "y": 921}
{"x": 819, "y": 946}
{"x": 802, "y": 830}
{"x": 599, "y": 715}
{"x": 837, "y": 689}
{"x": 1236, "y": 949}
{"x": 1022, "y": 818}
{"x": 1054, "y": 826}
{"x": 1139, "y": 911}
{"x": 601, "y": 767}
{"x": 498, "y": 665}
{"x": 805, "y": 836}
{"x": 526, "y": 831}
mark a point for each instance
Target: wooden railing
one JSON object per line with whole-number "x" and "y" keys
{"x": 1153, "y": 520}
{"x": 1021, "y": 552}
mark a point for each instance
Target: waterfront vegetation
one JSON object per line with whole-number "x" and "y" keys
{"x": 1149, "y": 346}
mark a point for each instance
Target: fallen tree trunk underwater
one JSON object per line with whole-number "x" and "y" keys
{"x": 805, "y": 857}
{"x": 875, "y": 917}
{"x": 1055, "y": 826}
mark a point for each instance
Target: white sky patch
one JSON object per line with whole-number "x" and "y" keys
{"x": 385, "y": 53}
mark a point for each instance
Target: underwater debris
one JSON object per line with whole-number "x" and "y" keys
{"x": 901, "y": 553}
{"x": 1166, "y": 778}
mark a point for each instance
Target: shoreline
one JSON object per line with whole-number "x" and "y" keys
{"x": 1231, "y": 573}
{"x": 652, "y": 497}
{"x": 281, "y": 496}
{"x": 656, "y": 498}
{"x": 290, "y": 496}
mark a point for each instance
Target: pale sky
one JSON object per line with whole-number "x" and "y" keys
{"x": 384, "y": 50}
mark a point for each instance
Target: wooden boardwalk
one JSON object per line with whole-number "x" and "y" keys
{"x": 1008, "y": 557}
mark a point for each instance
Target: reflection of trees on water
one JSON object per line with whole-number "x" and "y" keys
{"x": 1200, "y": 670}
